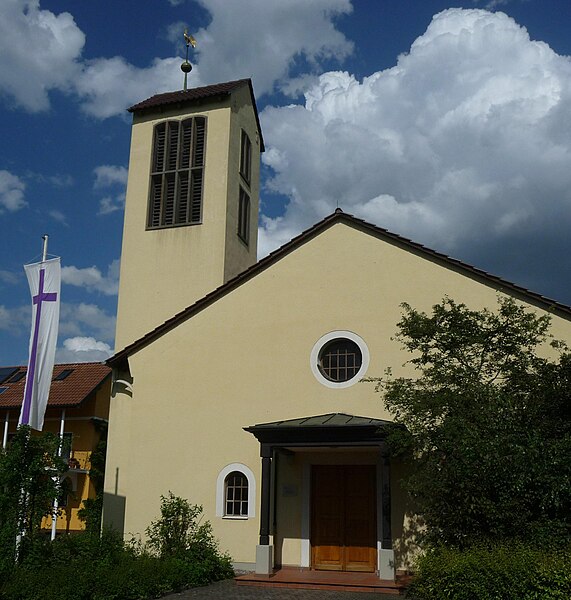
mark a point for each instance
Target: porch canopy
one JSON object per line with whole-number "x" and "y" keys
{"x": 332, "y": 429}
{"x": 329, "y": 430}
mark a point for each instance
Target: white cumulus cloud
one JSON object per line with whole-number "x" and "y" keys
{"x": 61, "y": 41}
{"x": 272, "y": 37}
{"x": 108, "y": 86}
{"x": 85, "y": 320}
{"x": 466, "y": 141}
{"x": 15, "y": 320}
{"x": 83, "y": 349}
{"x": 92, "y": 279}
{"x": 11, "y": 192}
{"x": 114, "y": 177}
{"x": 109, "y": 175}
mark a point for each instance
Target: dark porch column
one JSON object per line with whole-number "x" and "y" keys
{"x": 387, "y": 538}
{"x": 266, "y": 454}
{"x": 386, "y": 553}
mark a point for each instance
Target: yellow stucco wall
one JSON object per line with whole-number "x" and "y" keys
{"x": 197, "y": 257}
{"x": 245, "y": 360}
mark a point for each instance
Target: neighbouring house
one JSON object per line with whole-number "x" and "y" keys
{"x": 237, "y": 382}
{"x": 79, "y": 405}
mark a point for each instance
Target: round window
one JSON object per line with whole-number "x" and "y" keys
{"x": 339, "y": 359}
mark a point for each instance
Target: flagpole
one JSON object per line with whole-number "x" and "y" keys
{"x": 6, "y": 427}
{"x": 35, "y": 400}
{"x": 45, "y": 247}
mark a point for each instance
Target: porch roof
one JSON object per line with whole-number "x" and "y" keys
{"x": 322, "y": 430}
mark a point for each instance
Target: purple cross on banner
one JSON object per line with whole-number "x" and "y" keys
{"x": 44, "y": 280}
{"x": 38, "y": 300}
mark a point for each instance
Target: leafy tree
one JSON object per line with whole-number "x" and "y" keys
{"x": 90, "y": 512}
{"x": 487, "y": 423}
{"x": 30, "y": 471}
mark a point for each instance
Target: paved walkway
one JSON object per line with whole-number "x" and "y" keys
{"x": 228, "y": 590}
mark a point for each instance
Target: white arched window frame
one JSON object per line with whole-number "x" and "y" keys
{"x": 220, "y": 490}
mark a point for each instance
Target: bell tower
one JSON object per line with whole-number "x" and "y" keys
{"x": 191, "y": 210}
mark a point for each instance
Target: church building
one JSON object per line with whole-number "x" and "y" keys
{"x": 237, "y": 382}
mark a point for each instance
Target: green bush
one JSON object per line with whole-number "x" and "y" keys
{"x": 177, "y": 529}
{"x": 483, "y": 572}
{"x": 179, "y": 533}
{"x": 91, "y": 567}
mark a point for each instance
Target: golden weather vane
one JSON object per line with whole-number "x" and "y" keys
{"x": 189, "y": 39}
{"x": 186, "y": 67}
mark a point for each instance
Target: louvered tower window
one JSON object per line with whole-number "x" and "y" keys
{"x": 177, "y": 175}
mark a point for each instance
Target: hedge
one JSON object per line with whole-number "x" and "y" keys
{"x": 507, "y": 571}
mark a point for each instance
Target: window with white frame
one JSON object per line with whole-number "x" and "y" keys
{"x": 235, "y": 492}
{"x": 339, "y": 359}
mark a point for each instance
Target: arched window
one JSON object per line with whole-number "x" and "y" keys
{"x": 236, "y": 495}
{"x": 235, "y": 492}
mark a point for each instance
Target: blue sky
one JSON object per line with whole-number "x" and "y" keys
{"x": 446, "y": 123}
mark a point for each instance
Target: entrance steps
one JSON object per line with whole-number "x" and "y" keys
{"x": 302, "y": 578}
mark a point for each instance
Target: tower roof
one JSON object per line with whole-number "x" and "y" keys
{"x": 196, "y": 95}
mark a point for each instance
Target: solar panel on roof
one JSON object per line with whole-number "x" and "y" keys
{"x": 3, "y": 389}
{"x": 5, "y": 372}
{"x": 18, "y": 377}
{"x": 61, "y": 376}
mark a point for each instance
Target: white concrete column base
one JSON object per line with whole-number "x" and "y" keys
{"x": 264, "y": 560}
{"x": 386, "y": 564}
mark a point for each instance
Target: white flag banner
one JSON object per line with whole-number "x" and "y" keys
{"x": 44, "y": 279}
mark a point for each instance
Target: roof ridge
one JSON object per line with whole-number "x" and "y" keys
{"x": 75, "y": 364}
{"x": 295, "y": 242}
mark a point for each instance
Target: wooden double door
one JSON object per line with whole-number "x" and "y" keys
{"x": 343, "y": 518}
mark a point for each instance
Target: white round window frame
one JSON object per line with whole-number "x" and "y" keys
{"x": 334, "y": 335}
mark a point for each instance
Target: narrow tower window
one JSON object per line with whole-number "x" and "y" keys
{"x": 244, "y": 216}
{"x": 177, "y": 173}
{"x": 246, "y": 157}
{"x": 244, "y": 196}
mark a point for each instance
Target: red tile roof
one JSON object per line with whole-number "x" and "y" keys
{"x": 195, "y": 95}
{"x": 191, "y": 95}
{"x": 71, "y": 391}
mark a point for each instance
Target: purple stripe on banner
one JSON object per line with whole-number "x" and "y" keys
{"x": 30, "y": 378}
